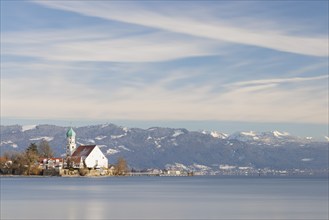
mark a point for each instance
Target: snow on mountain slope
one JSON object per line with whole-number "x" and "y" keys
{"x": 125, "y": 129}
{"x": 101, "y": 145}
{"x": 12, "y": 144}
{"x": 91, "y": 141}
{"x": 306, "y": 159}
{"x": 101, "y": 137}
{"x": 200, "y": 166}
{"x": 117, "y": 136}
{"x": 270, "y": 137}
{"x": 177, "y": 133}
{"x": 280, "y": 134}
{"x": 248, "y": 133}
{"x": 156, "y": 147}
{"x": 215, "y": 134}
{"x": 105, "y": 125}
{"x": 28, "y": 127}
{"x": 243, "y": 136}
{"x": 111, "y": 151}
{"x": 42, "y": 138}
{"x": 157, "y": 144}
{"x": 176, "y": 166}
{"x": 5, "y": 142}
{"x": 124, "y": 148}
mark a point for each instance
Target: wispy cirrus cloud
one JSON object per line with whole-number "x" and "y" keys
{"x": 278, "y": 81}
{"x": 101, "y": 46}
{"x": 130, "y": 60}
{"x": 305, "y": 100}
{"x": 220, "y": 30}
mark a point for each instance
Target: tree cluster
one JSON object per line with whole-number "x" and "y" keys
{"x": 26, "y": 162}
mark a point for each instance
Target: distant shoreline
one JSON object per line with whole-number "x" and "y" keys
{"x": 197, "y": 176}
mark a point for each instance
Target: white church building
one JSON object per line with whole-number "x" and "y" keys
{"x": 89, "y": 156}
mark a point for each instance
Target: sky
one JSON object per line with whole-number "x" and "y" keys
{"x": 201, "y": 65}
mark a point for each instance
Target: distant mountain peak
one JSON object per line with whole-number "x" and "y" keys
{"x": 268, "y": 137}
{"x": 157, "y": 147}
{"x": 28, "y": 127}
{"x": 215, "y": 134}
{"x": 248, "y": 133}
{"x": 280, "y": 134}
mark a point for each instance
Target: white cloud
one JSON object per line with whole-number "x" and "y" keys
{"x": 259, "y": 103}
{"x": 217, "y": 30}
{"x": 93, "y": 47}
{"x": 244, "y": 86}
{"x": 280, "y": 80}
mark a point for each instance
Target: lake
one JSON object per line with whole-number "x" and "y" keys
{"x": 204, "y": 197}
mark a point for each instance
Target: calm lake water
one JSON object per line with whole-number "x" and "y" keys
{"x": 164, "y": 198}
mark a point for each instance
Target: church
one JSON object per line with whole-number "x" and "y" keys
{"x": 85, "y": 156}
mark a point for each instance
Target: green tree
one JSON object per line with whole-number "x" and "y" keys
{"x": 31, "y": 156}
{"x": 44, "y": 149}
{"x": 32, "y": 148}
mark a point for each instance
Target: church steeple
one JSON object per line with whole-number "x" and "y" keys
{"x": 70, "y": 146}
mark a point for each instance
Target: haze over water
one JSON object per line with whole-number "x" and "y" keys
{"x": 164, "y": 198}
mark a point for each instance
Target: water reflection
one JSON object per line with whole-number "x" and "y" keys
{"x": 90, "y": 209}
{"x": 164, "y": 198}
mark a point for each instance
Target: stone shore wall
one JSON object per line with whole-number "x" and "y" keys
{"x": 85, "y": 172}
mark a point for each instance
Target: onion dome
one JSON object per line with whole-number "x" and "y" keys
{"x": 70, "y": 133}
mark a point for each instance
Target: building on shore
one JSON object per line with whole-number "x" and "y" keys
{"x": 85, "y": 156}
{"x": 89, "y": 156}
{"x": 51, "y": 163}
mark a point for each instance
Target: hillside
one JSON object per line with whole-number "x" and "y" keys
{"x": 160, "y": 147}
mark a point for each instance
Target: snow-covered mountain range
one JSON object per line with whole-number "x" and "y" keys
{"x": 164, "y": 147}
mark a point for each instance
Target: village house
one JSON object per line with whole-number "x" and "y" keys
{"x": 172, "y": 172}
{"x": 51, "y": 163}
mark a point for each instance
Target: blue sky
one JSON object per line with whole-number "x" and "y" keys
{"x": 219, "y": 65}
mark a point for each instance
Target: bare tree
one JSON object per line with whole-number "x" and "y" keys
{"x": 5, "y": 163}
{"x": 121, "y": 167}
{"x": 45, "y": 150}
{"x": 12, "y": 163}
{"x": 19, "y": 162}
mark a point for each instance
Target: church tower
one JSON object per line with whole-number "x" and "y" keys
{"x": 70, "y": 146}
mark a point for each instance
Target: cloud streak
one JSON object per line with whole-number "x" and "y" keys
{"x": 278, "y": 81}
{"x": 260, "y": 102}
{"x": 95, "y": 47}
{"x": 218, "y": 30}
{"x": 144, "y": 62}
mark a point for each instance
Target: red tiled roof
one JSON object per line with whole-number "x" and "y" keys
{"x": 76, "y": 160}
{"x": 83, "y": 151}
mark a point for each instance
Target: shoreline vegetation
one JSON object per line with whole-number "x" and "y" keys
{"x": 39, "y": 160}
